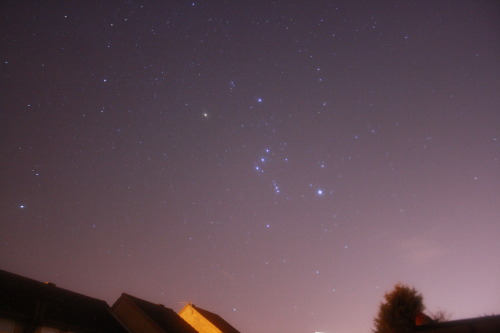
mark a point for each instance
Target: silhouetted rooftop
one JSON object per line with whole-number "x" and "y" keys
{"x": 165, "y": 318}
{"x": 217, "y": 320}
{"x": 30, "y": 301}
{"x": 486, "y": 324}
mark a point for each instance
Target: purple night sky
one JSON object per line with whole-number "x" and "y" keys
{"x": 280, "y": 163}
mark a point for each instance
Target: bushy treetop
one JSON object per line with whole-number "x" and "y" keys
{"x": 397, "y": 313}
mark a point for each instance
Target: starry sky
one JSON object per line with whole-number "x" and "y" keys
{"x": 280, "y": 163}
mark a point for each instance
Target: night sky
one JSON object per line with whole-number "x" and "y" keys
{"x": 280, "y": 163}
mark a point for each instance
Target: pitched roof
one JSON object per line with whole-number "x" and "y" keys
{"x": 217, "y": 320}
{"x": 167, "y": 319}
{"x": 30, "y": 301}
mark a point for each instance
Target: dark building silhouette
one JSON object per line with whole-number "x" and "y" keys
{"x": 141, "y": 316}
{"x": 487, "y": 324}
{"x": 28, "y": 306}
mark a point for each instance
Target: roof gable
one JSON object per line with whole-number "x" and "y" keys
{"x": 164, "y": 318}
{"x": 215, "y": 319}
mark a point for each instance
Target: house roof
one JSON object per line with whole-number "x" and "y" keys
{"x": 37, "y": 303}
{"x": 165, "y": 318}
{"x": 217, "y": 320}
{"x": 486, "y": 324}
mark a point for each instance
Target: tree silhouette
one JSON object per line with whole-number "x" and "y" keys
{"x": 397, "y": 314}
{"x": 440, "y": 316}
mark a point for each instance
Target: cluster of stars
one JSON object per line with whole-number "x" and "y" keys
{"x": 263, "y": 159}
{"x": 268, "y": 163}
{"x": 264, "y": 162}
